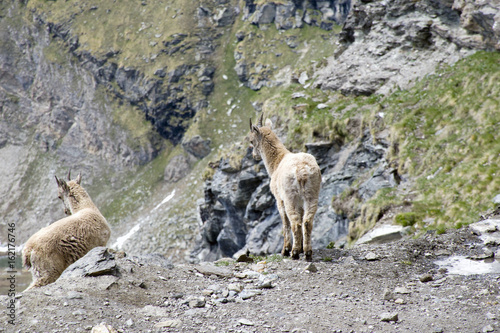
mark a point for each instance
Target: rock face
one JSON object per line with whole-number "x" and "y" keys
{"x": 53, "y": 119}
{"x": 386, "y": 44}
{"x": 293, "y": 14}
{"x": 239, "y": 212}
{"x": 285, "y": 15}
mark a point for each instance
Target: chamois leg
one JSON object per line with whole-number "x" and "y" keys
{"x": 295, "y": 221}
{"x": 307, "y": 229}
{"x": 43, "y": 272}
{"x": 287, "y": 246}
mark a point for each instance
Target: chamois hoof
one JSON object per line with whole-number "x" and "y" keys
{"x": 285, "y": 253}
{"x": 309, "y": 256}
{"x": 295, "y": 255}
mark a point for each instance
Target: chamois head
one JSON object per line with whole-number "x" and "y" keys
{"x": 66, "y": 192}
{"x": 256, "y": 135}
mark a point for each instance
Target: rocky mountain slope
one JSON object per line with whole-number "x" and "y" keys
{"x": 407, "y": 286}
{"x": 141, "y": 98}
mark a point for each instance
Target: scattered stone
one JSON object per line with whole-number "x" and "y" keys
{"x": 491, "y": 316}
{"x": 400, "y": 301}
{"x": 103, "y": 328}
{"x": 240, "y": 275}
{"x": 370, "y": 256}
{"x": 176, "y": 169}
{"x": 496, "y": 199}
{"x": 174, "y": 323}
{"x": 244, "y": 258}
{"x": 198, "y": 302}
{"x": 303, "y": 78}
{"x": 197, "y": 146}
{"x": 426, "y": 278}
{"x": 249, "y": 293}
{"x": 487, "y": 253}
{"x": 209, "y": 269}
{"x": 260, "y": 266}
{"x": 265, "y": 284}
{"x": 129, "y": 322}
{"x": 383, "y": 234}
{"x": 298, "y": 95}
{"x": 74, "y": 295}
{"x": 389, "y": 316}
{"x": 245, "y": 322}
{"x": 491, "y": 239}
{"x": 388, "y": 295}
{"x": 311, "y": 268}
{"x": 235, "y": 287}
{"x": 488, "y": 328}
{"x": 438, "y": 283}
{"x": 207, "y": 292}
{"x": 485, "y": 226}
{"x": 402, "y": 290}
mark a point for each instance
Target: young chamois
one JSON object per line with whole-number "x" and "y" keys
{"x": 52, "y": 249}
{"x": 295, "y": 183}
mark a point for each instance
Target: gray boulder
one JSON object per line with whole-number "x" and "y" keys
{"x": 264, "y": 14}
{"x": 197, "y": 146}
{"x": 98, "y": 261}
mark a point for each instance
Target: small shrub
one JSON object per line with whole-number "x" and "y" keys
{"x": 222, "y": 263}
{"x": 331, "y": 245}
{"x": 441, "y": 229}
{"x": 406, "y": 219}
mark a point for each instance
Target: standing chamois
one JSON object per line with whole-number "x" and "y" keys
{"x": 52, "y": 249}
{"x": 295, "y": 183}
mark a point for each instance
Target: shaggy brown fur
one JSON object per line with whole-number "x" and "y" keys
{"x": 295, "y": 183}
{"x": 52, "y": 249}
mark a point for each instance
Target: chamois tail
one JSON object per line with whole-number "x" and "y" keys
{"x": 27, "y": 256}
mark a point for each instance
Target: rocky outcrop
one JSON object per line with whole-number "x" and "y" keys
{"x": 387, "y": 44}
{"x": 54, "y": 118}
{"x": 167, "y": 101}
{"x": 285, "y": 15}
{"x": 293, "y": 14}
{"x": 239, "y": 212}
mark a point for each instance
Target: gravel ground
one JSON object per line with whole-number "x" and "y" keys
{"x": 396, "y": 287}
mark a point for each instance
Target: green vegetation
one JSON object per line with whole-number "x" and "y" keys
{"x": 132, "y": 30}
{"x": 331, "y": 245}
{"x": 270, "y": 258}
{"x": 406, "y": 219}
{"x": 445, "y": 137}
{"x": 444, "y": 131}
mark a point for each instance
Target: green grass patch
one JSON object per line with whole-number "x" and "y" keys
{"x": 270, "y": 258}
{"x": 446, "y": 133}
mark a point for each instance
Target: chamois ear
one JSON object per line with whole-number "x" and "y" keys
{"x": 61, "y": 183}
{"x": 269, "y": 123}
{"x": 253, "y": 128}
{"x": 79, "y": 178}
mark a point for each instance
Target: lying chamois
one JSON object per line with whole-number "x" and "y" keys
{"x": 295, "y": 183}
{"x": 52, "y": 249}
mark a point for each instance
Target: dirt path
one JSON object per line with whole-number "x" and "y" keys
{"x": 371, "y": 288}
